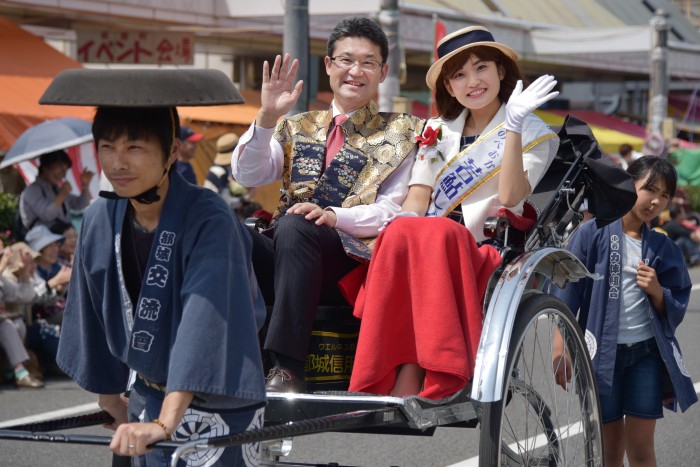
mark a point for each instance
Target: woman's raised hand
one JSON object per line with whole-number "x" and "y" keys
{"x": 279, "y": 93}
{"x": 86, "y": 177}
{"x": 522, "y": 103}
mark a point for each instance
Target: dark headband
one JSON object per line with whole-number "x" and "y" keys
{"x": 477, "y": 35}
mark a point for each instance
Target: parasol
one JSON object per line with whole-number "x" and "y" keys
{"x": 49, "y": 136}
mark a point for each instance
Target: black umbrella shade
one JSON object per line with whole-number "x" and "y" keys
{"x": 141, "y": 88}
{"x": 610, "y": 189}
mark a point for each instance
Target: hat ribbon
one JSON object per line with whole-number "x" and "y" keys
{"x": 478, "y": 35}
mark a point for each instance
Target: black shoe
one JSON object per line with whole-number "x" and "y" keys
{"x": 280, "y": 379}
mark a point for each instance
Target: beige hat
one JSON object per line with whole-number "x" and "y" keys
{"x": 454, "y": 43}
{"x": 224, "y": 147}
{"x": 15, "y": 250}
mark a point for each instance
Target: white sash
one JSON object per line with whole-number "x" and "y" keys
{"x": 475, "y": 165}
{"x": 467, "y": 171}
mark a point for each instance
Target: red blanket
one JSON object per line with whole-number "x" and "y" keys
{"x": 422, "y": 303}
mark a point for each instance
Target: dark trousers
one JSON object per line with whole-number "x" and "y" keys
{"x": 298, "y": 270}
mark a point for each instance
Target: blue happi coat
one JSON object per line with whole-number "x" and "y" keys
{"x": 598, "y": 302}
{"x": 195, "y": 326}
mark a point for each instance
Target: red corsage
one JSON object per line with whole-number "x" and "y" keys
{"x": 429, "y": 144}
{"x": 430, "y": 137}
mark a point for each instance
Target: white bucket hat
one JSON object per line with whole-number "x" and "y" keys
{"x": 40, "y": 236}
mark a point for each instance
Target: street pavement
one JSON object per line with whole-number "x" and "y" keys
{"x": 676, "y": 434}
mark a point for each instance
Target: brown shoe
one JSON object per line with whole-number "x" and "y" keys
{"x": 28, "y": 381}
{"x": 281, "y": 379}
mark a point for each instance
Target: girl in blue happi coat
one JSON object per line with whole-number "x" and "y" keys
{"x": 630, "y": 317}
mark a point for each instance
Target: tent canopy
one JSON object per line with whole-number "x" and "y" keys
{"x": 242, "y": 114}
{"x": 607, "y": 130}
{"x": 28, "y": 66}
{"x": 238, "y": 114}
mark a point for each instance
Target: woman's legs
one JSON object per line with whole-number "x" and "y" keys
{"x": 614, "y": 443}
{"x": 631, "y": 408}
{"x": 633, "y": 435}
{"x": 643, "y": 390}
{"x": 409, "y": 380}
{"x": 11, "y": 341}
{"x": 424, "y": 312}
{"x": 639, "y": 441}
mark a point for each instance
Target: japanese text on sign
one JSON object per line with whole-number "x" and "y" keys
{"x": 150, "y": 48}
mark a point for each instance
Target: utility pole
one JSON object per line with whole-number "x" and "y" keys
{"x": 658, "y": 84}
{"x": 296, "y": 44}
{"x": 388, "y": 19}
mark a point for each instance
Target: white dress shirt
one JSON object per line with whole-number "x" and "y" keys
{"x": 259, "y": 159}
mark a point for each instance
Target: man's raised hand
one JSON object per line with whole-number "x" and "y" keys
{"x": 279, "y": 93}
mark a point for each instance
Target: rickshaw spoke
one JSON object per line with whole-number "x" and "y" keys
{"x": 538, "y": 422}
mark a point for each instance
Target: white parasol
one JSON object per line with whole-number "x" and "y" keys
{"x": 49, "y": 136}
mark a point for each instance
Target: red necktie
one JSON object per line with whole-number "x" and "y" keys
{"x": 335, "y": 139}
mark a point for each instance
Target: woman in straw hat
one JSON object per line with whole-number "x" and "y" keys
{"x": 16, "y": 285}
{"x": 219, "y": 174}
{"x": 485, "y": 151}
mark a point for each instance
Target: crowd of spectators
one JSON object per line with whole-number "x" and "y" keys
{"x": 32, "y": 294}
{"x": 35, "y": 272}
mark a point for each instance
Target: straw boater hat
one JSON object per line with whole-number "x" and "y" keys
{"x": 461, "y": 40}
{"x": 224, "y": 147}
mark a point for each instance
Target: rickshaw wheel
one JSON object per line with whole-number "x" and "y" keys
{"x": 537, "y": 422}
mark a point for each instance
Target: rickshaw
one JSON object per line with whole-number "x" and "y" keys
{"x": 525, "y": 418}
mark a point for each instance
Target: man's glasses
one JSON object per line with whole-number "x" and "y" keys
{"x": 365, "y": 65}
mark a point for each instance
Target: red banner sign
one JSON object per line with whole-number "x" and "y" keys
{"x": 134, "y": 47}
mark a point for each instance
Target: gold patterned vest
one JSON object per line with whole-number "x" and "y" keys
{"x": 375, "y": 144}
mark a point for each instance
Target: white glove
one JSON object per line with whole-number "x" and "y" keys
{"x": 396, "y": 216}
{"x": 522, "y": 103}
